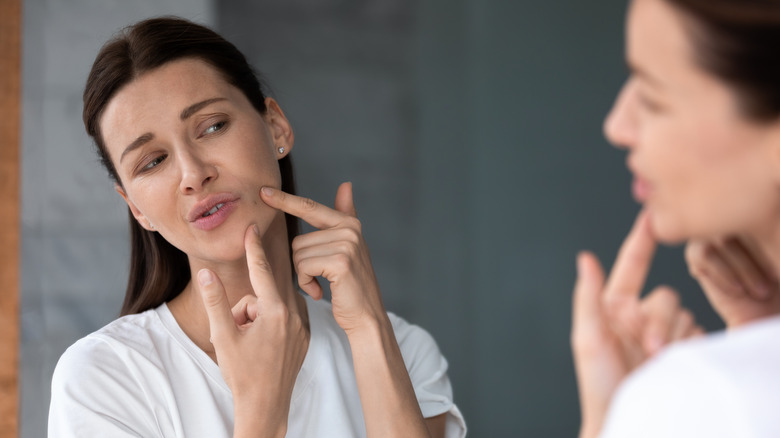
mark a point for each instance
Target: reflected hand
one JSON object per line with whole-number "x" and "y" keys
{"x": 738, "y": 280}
{"x": 613, "y": 331}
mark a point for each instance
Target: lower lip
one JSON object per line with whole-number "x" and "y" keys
{"x": 213, "y": 221}
{"x": 640, "y": 189}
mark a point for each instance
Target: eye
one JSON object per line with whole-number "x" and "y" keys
{"x": 214, "y": 128}
{"x": 152, "y": 164}
{"x": 649, "y": 104}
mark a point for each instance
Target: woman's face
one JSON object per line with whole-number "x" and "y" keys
{"x": 700, "y": 168}
{"x": 192, "y": 153}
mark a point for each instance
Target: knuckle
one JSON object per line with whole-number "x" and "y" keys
{"x": 692, "y": 252}
{"x": 308, "y": 204}
{"x": 696, "y": 271}
{"x": 213, "y": 300}
{"x": 686, "y": 317}
{"x": 343, "y": 262}
{"x": 354, "y": 224}
{"x": 668, "y": 294}
{"x": 353, "y": 235}
{"x": 296, "y": 258}
{"x": 296, "y": 243}
{"x": 262, "y": 266}
{"x": 348, "y": 248}
{"x": 277, "y": 314}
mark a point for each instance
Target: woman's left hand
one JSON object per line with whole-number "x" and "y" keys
{"x": 613, "y": 330}
{"x": 337, "y": 252}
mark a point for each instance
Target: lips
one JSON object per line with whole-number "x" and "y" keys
{"x": 640, "y": 187}
{"x": 211, "y": 211}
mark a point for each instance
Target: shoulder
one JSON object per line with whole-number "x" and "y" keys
{"x": 123, "y": 336}
{"x": 721, "y": 385}
{"x": 96, "y": 380}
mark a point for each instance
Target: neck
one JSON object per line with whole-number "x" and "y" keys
{"x": 187, "y": 308}
{"x": 765, "y": 242}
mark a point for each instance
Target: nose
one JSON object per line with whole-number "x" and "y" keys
{"x": 196, "y": 172}
{"x": 620, "y": 126}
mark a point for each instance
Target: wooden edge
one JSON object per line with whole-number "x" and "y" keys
{"x": 10, "y": 126}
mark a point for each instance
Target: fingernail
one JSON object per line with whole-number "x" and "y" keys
{"x": 205, "y": 277}
{"x": 580, "y": 262}
{"x": 256, "y": 230}
{"x": 267, "y": 191}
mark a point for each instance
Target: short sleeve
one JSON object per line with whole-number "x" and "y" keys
{"x": 427, "y": 369}
{"x": 95, "y": 395}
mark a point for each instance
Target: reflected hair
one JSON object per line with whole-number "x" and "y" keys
{"x": 737, "y": 41}
{"x": 158, "y": 270}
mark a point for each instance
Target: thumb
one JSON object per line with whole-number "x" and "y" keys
{"x": 221, "y": 323}
{"x": 586, "y": 312}
{"x": 344, "y": 201}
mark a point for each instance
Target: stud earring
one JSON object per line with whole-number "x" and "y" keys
{"x": 281, "y": 150}
{"x": 151, "y": 225}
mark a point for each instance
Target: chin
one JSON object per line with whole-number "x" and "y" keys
{"x": 667, "y": 230}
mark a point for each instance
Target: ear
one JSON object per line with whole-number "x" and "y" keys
{"x": 281, "y": 130}
{"x": 142, "y": 220}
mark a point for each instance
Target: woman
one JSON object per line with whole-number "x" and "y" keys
{"x": 700, "y": 118}
{"x": 215, "y": 339}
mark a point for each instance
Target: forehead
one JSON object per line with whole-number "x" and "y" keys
{"x": 154, "y": 100}
{"x": 656, "y": 38}
{"x": 168, "y": 88}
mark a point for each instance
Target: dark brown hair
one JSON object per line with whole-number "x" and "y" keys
{"x": 738, "y": 41}
{"x": 158, "y": 270}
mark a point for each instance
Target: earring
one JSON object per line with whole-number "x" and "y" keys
{"x": 281, "y": 150}
{"x": 151, "y": 225}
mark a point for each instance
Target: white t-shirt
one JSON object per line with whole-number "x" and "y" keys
{"x": 724, "y": 385}
{"x": 142, "y": 376}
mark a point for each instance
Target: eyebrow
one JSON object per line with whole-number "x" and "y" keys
{"x": 652, "y": 80}
{"x": 187, "y": 113}
{"x": 137, "y": 143}
{"x": 192, "y": 109}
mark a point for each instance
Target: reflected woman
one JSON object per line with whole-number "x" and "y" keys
{"x": 700, "y": 119}
{"x": 216, "y": 339}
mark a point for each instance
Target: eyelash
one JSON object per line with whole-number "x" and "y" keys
{"x": 220, "y": 126}
{"x": 153, "y": 163}
{"x": 217, "y": 127}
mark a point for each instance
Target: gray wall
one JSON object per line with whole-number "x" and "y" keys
{"x": 471, "y": 130}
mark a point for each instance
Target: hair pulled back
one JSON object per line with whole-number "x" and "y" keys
{"x": 158, "y": 270}
{"x": 738, "y": 41}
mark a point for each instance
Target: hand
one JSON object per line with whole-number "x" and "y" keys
{"x": 738, "y": 280}
{"x": 336, "y": 252}
{"x": 260, "y": 344}
{"x": 613, "y": 331}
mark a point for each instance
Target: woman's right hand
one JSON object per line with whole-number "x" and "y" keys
{"x": 737, "y": 278}
{"x": 260, "y": 345}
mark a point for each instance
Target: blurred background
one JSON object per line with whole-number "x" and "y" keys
{"x": 471, "y": 130}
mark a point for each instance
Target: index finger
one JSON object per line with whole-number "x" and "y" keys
{"x": 261, "y": 275}
{"x": 314, "y": 213}
{"x": 633, "y": 261}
